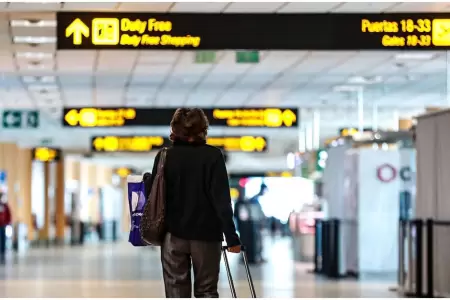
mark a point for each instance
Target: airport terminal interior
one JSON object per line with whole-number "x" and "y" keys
{"x": 331, "y": 116}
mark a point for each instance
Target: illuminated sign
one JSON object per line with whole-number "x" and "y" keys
{"x": 229, "y": 117}
{"x": 239, "y": 144}
{"x": 127, "y": 143}
{"x": 352, "y": 131}
{"x": 45, "y": 154}
{"x": 124, "y": 172}
{"x": 149, "y": 143}
{"x": 190, "y": 31}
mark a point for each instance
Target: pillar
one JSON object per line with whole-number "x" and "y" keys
{"x": 72, "y": 173}
{"x": 126, "y": 218}
{"x": 24, "y": 191}
{"x": 44, "y": 231}
{"x": 60, "y": 212}
{"x": 404, "y": 124}
{"x": 10, "y": 157}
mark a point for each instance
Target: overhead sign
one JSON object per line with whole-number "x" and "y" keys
{"x": 45, "y": 154}
{"x": 239, "y": 143}
{"x": 20, "y": 119}
{"x": 228, "y": 117}
{"x": 127, "y": 143}
{"x": 190, "y": 31}
{"x": 149, "y": 143}
{"x": 351, "y": 131}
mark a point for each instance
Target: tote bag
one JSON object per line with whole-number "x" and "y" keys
{"x": 136, "y": 202}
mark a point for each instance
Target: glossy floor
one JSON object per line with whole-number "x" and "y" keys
{"x": 123, "y": 271}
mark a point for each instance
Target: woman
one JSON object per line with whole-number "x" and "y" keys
{"x": 198, "y": 209}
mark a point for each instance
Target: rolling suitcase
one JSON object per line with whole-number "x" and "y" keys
{"x": 247, "y": 270}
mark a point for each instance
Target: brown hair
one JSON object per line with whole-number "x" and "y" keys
{"x": 189, "y": 124}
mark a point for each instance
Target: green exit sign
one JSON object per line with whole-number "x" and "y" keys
{"x": 19, "y": 119}
{"x": 205, "y": 57}
{"x": 247, "y": 57}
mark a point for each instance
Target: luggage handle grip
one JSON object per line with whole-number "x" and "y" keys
{"x": 242, "y": 248}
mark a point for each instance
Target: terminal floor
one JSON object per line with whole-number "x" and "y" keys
{"x": 119, "y": 270}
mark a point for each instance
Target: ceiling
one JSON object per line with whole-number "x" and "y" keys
{"x": 39, "y": 77}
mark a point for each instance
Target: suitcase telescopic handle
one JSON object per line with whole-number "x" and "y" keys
{"x": 226, "y": 248}
{"x": 247, "y": 271}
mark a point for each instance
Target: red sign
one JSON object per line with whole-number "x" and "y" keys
{"x": 386, "y": 173}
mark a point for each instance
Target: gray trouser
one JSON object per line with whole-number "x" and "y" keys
{"x": 176, "y": 257}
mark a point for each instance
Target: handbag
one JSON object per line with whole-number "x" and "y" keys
{"x": 136, "y": 202}
{"x": 152, "y": 227}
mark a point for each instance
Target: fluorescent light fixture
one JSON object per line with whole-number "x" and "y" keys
{"x": 414, "y": 56}
{"x": 34, "y": 39}
{"x": 365, "y": 80}
{"x": 35, "y": 67}
{"x": 34, "y": 55}
{"x": 43, "y": 87}
{"x": 39, "y": 79}
{"x": 347, "y": 88}
{"x": 33, "y": 23}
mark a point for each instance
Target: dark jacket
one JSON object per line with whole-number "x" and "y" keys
{"x": 198, "y": 202}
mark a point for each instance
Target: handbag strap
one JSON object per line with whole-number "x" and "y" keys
{"x": 162, "y": 160}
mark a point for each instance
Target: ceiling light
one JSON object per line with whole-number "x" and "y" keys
{"x": 33, "y": 23}
{"x": 34, "y": 39}
{"x": 34, "y": 55}
{"x": 365, "y": 80}
{"x": 39, "y": 67}
{"x": 347, "y": 88}
{"x": 414, "y": 56}
{"x": 39, "y": 79}
{"x": 42, "y": 87}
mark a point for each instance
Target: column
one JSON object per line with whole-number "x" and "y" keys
{"x": 316, "y": 130}
{"x": 60, "y": 212}
{"x": 44, "y": 231}
{"x": 24, "y": 192}
{"x": 72, "y": 183}
{"x": 10, "y": 158}
{"x": 404, "y": 124}
{"x": 126, "y": 219}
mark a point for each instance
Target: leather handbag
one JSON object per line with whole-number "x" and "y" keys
{"x": 152, "y": 227}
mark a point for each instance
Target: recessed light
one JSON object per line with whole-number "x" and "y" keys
{"x": 35, "y": 55}
{"x": 347, "y": 88}
{"x": 39, "y": 79}
{"x": 33, "y": 23}
{"x": 42, "y": 87}
{"x": 39, "y": 67}
{"x": 414, "y": 56}
{"x": 365, "y": 80}
{"x": 34, "y": 40}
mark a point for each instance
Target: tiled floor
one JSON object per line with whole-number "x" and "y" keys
{"x": 123, "y": 271}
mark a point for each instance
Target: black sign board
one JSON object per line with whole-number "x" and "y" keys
{"x": 89, "y": 117}
{"x": 181, "y": 31}
{"x": 142, "y": 144}
{"x": 45, "y": 154}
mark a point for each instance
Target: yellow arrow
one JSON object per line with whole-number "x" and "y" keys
{"x": 288, "y": 117}
{"x": 72, "y": 117}
{"x": 77, "y": 29}
{"x": 98, "y": 144}
{"x": 260, "y": 143}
